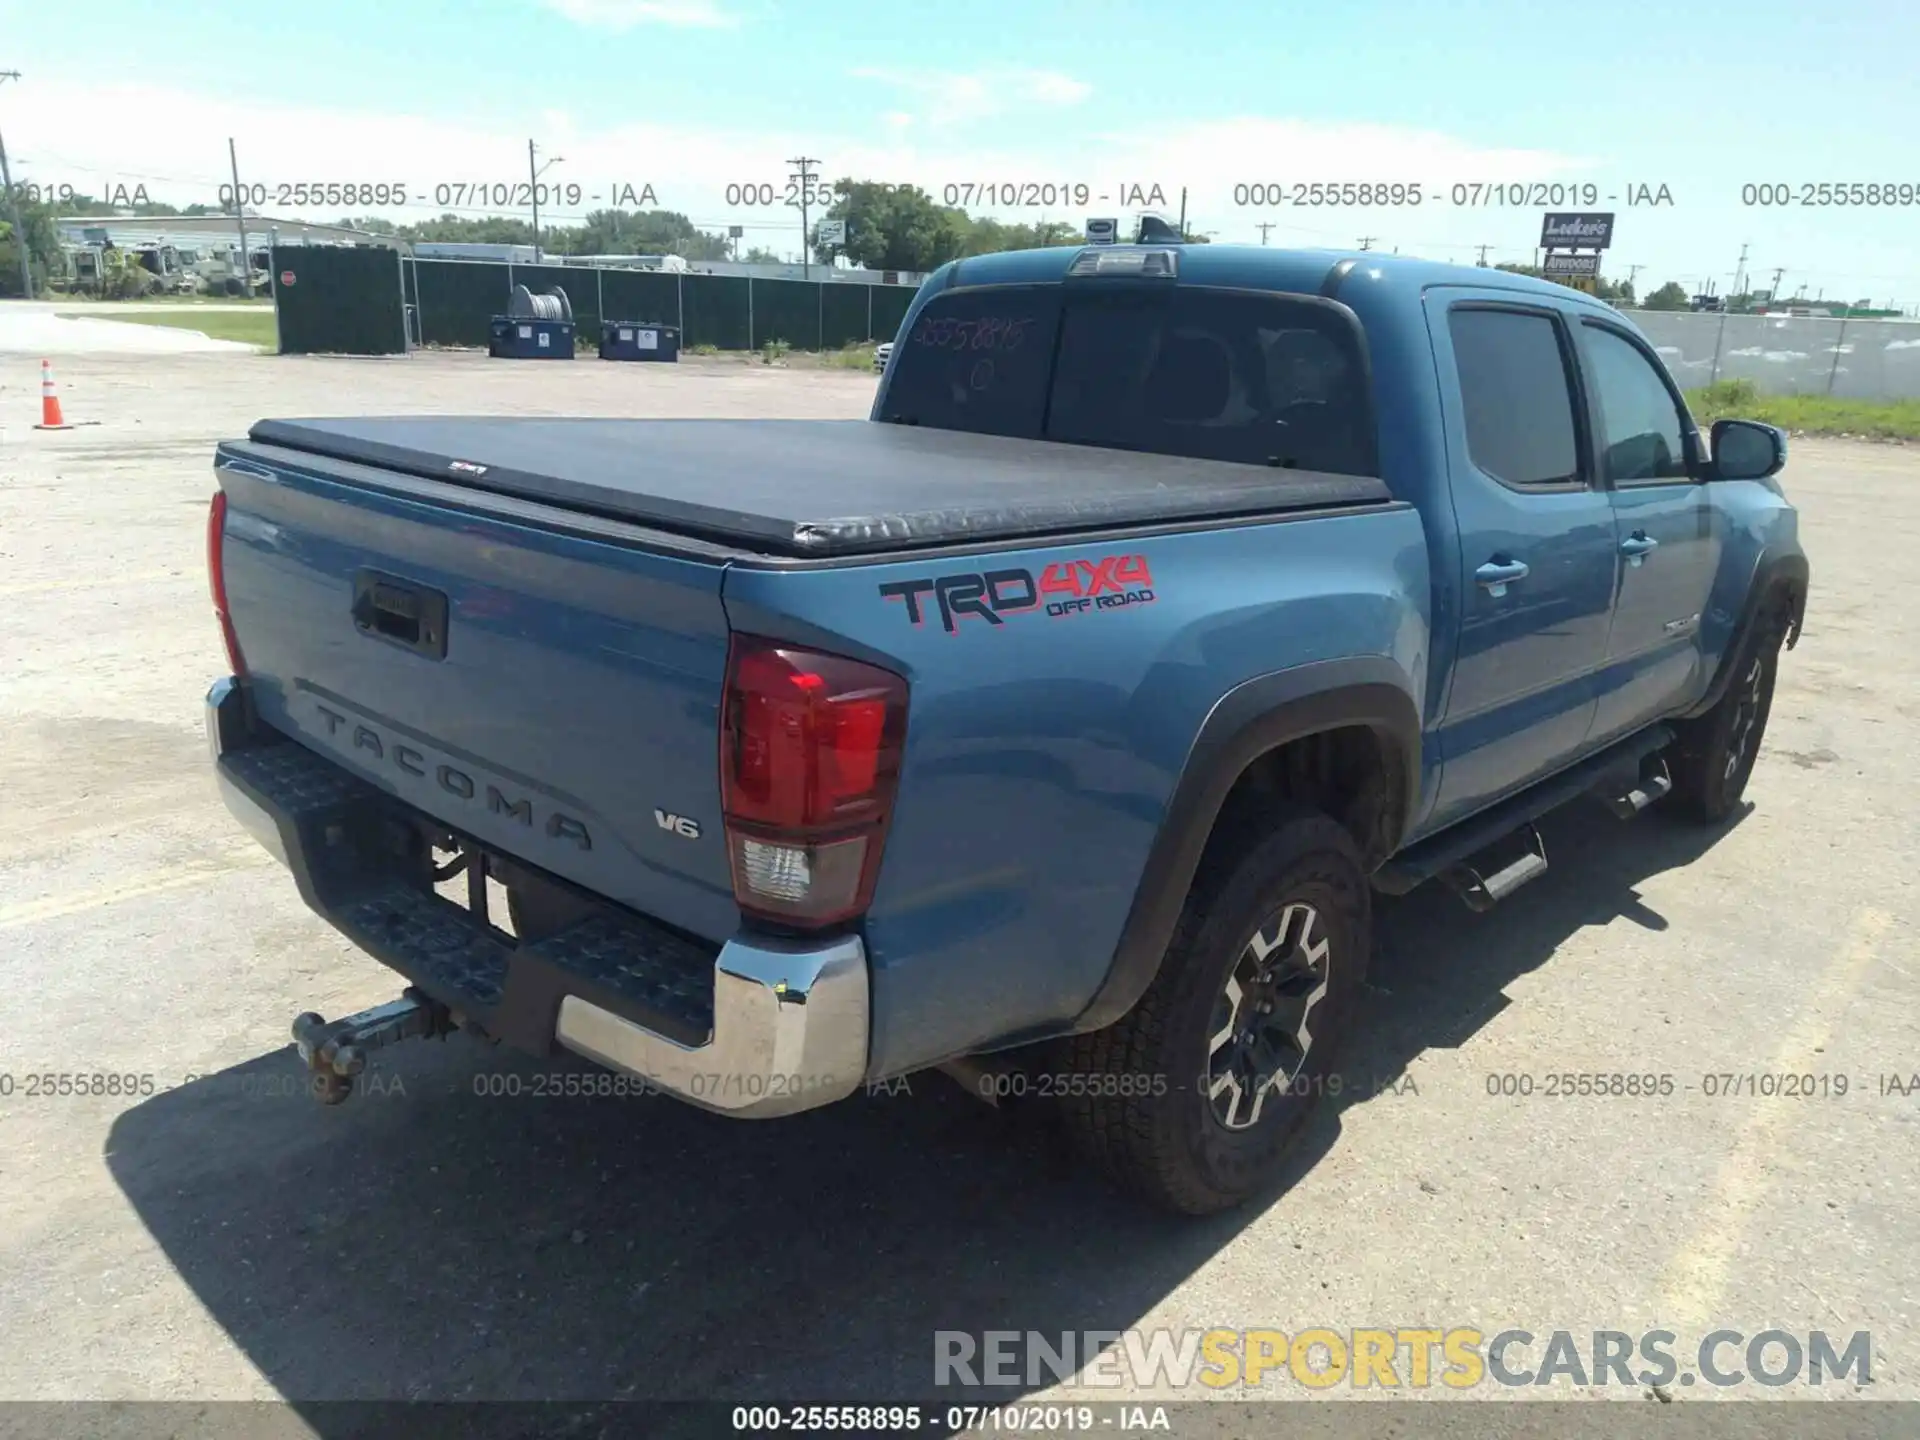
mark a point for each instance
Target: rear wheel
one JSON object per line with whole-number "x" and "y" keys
{"x": 1192, "y": 1099}
{"x": 1712, "y": 758}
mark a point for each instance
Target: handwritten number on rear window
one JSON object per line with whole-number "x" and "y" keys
{"x": 994, "y": 332}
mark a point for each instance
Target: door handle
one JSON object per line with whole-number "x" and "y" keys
{"x": 1497, "y": 574}
{"x": 1637, "y": 546}
{"x": 409, "y": 615}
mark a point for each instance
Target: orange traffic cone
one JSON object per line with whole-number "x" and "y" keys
{"x": 50, "y": 417}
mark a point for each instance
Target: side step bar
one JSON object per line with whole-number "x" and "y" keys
{"x": 1611, "y": 774}
{"x": 1654, "y": 783}
{"x": 1483, "y": 892}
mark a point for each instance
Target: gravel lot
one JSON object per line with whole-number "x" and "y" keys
{"x": 211, "y": 1241}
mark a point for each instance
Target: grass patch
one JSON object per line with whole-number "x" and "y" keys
{"x": 779, "y": 352}
{"x": 265, "y": 301}
{"x": 249, "y": 327}
{"x": 1806, "y": 414}
{"x": 854, "y": 357}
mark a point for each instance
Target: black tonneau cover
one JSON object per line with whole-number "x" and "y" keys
{"x": 815, "y": 487}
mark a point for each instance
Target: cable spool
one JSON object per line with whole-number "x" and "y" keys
{"x": 553, "y": 305}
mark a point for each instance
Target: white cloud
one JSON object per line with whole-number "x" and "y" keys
{"x": 950, "y": 96}
{"x": 77, "y": 133}
{"x": 626, "y": 14}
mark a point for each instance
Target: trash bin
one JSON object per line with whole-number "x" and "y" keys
{"x": 535, "y": 327}
{"x": 638, "y": 340}
{"x": 513, "y": 339}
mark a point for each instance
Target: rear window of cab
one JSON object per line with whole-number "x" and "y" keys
{"x": 1244, "y": 377}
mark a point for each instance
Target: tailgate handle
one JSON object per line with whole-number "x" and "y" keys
{"x": 401, "y": 612}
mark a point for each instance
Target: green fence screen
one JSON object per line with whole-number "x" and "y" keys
{"x": 365, "y": 301}
{"x": 338, "y": 299}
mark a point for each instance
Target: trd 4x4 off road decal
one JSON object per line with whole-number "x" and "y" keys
{"x": 1063, "y": 588}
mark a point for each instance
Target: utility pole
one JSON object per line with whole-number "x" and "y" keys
{"x": 1366, "y": 241}
{"x": 13, "y": 208}
{"x": 1183, "y": 212}
{"x": 1774, "y": 293}
{"x": 1632, "y": 272}
{"x": 1740, "y": 271}
{"x": 1266, "y": 228}
{"x": 1483, "y": 255}
{"x": 240, "y": 218}
{"x": 803, "y": 172}
{"x": 533, "y": 194}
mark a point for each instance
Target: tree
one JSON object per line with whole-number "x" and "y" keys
{"x": 896, "y": 227}
{"x": 603, "y": 232}
{"x": 1670, "y": 296}
{"x": 1603, "y": 288}
{"x": 760, "y": 255}
{"x": 641, "y": 232}
{"x": 43, "y": 247}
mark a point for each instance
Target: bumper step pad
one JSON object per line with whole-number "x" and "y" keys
{"x": 332, "y": 834}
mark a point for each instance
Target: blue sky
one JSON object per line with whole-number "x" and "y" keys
{"x": 688, "y": 95}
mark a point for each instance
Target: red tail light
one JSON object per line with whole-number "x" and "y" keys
{"x": 217, "y": 577}
{"x": 809, "y": 758}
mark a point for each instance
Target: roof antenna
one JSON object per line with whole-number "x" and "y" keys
{"x": 1155, "y": 231}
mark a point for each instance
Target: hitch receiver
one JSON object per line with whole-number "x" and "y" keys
{"x": 335, "y": 1050}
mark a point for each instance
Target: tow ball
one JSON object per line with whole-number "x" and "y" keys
{"x": 336, "y": 1050}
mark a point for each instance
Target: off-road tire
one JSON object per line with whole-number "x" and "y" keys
{"x": 1136, "y": 1098}
{"x": 1712, "y": 756}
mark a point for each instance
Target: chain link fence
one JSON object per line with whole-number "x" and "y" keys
{"x": 1848, "y": 359}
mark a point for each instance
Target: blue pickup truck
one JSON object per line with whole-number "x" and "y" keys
{"x": 1065, "y": 714}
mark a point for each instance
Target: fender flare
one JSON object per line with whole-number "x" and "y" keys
{"x": 1253, "y": 718}
{"x": 1775, "y": 576}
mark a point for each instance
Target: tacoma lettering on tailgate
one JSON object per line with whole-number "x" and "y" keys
{"x": 1062, "y": 588}
{"x": 460, "y": 783}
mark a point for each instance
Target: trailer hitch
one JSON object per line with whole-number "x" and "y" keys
{"x": 335, "y": 1050}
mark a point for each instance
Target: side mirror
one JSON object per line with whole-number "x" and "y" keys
{"x": 1746, "y": 450}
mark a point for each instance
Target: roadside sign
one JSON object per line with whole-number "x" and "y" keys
{"x": 1577, "y": 230}
{"x": 286, "y": 277}
{"x": 1103, "y": 231}
{"x": 734, "y": 232}
{"x": 832, "y": 232}
{"x": 1558, "y": 263}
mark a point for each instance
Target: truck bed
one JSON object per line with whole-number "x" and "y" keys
{"x": 814, "y": 487}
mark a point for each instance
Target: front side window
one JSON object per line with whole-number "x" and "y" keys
{"x": 1641, "y": 433}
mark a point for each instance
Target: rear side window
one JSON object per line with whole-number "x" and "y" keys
{"x": 1216, "y": 375}
{"x": 1517, "y": 396}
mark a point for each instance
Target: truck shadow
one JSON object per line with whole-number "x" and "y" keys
{"x": 428, "y": 1241}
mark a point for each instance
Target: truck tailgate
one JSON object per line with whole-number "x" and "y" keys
{"x": 565, "y": 710}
